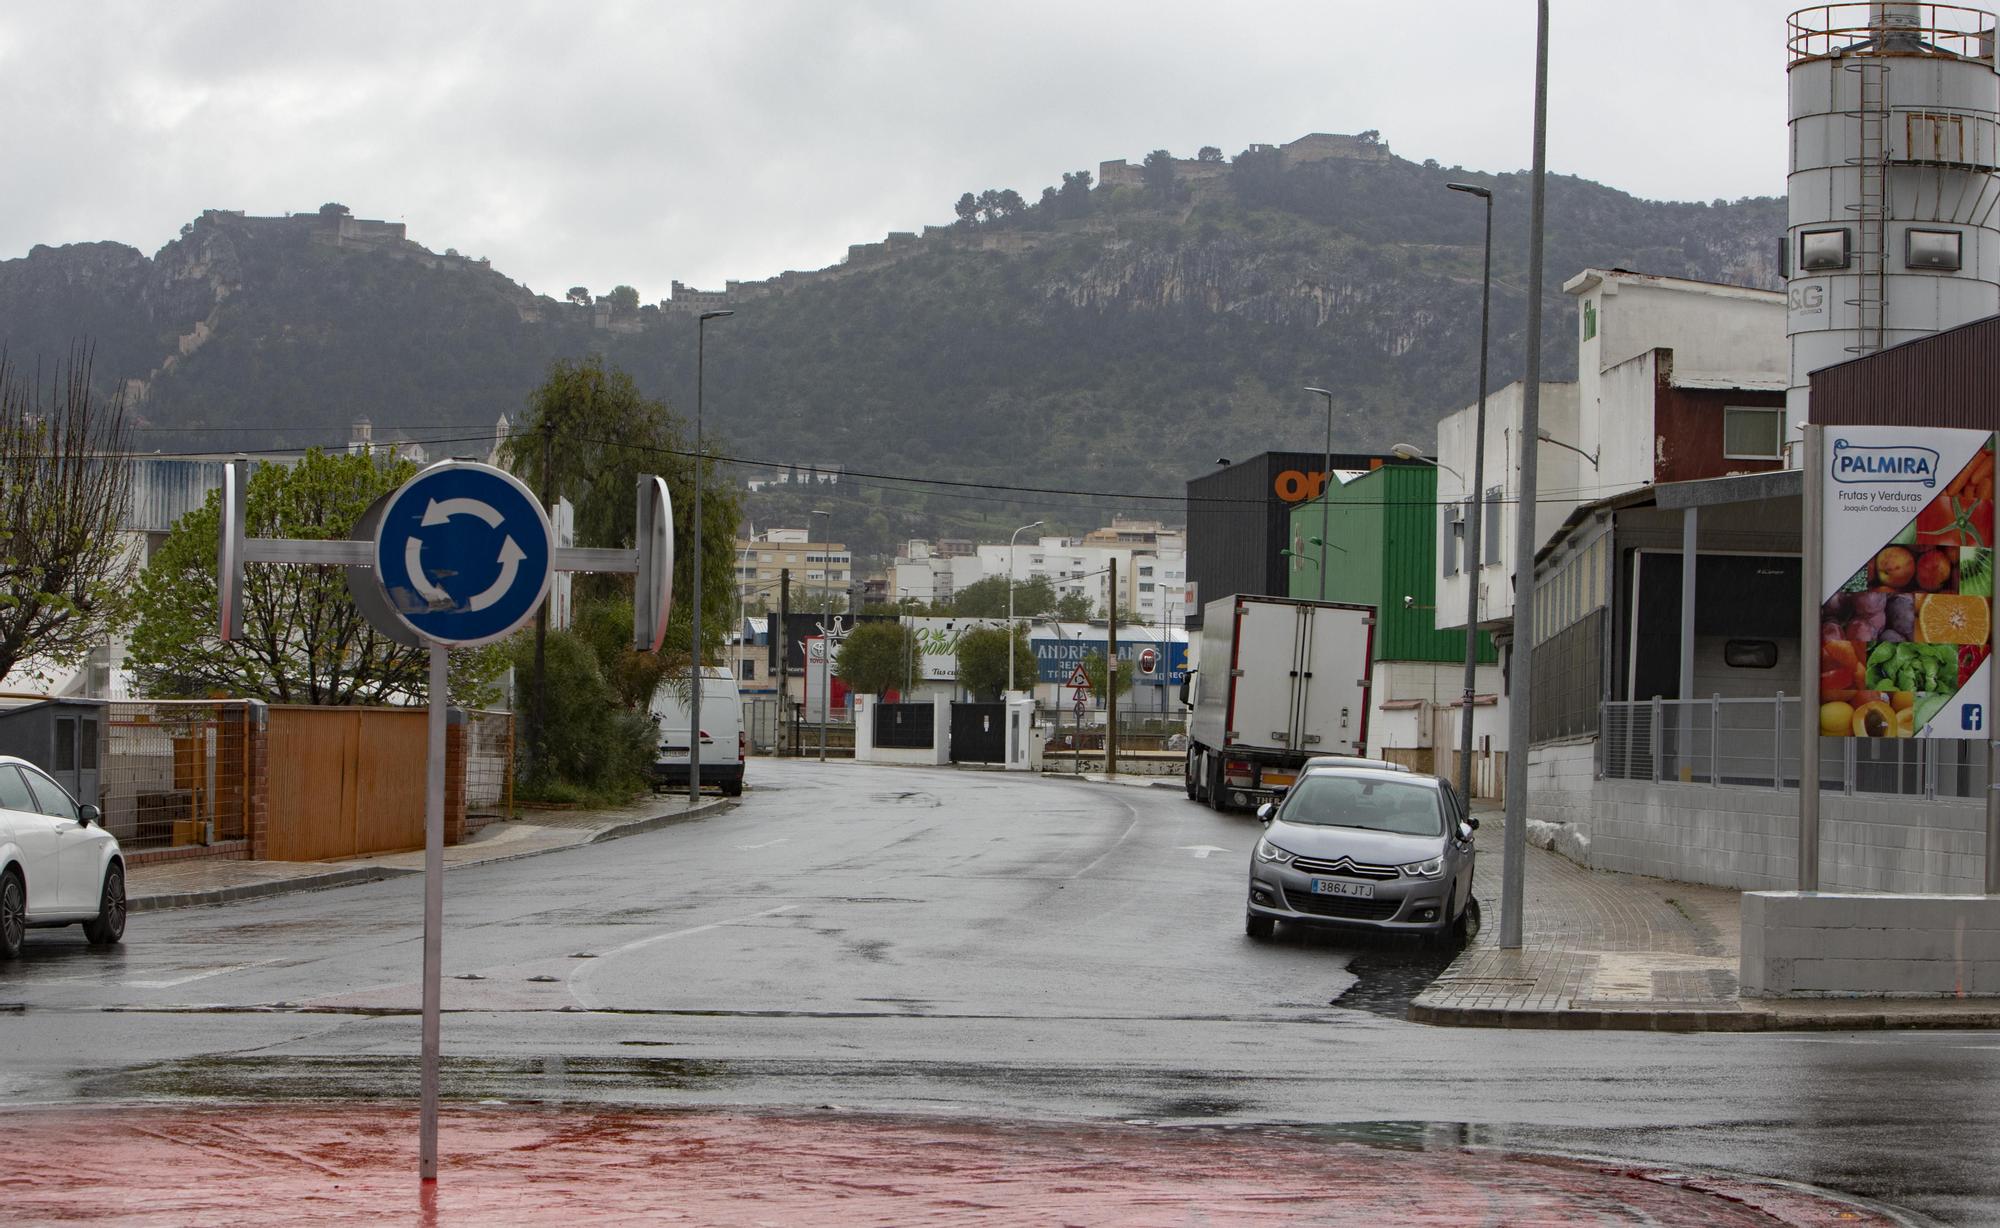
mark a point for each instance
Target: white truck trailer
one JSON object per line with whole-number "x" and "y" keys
{"x": 1279, "y": 681}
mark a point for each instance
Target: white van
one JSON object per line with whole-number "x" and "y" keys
{"x": 722, "y": 737}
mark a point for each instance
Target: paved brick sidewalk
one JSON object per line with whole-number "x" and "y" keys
{"x": 181, "y": 884}
{"x": 1604, "y": 950}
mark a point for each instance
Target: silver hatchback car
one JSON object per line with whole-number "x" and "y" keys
{"x": 1365, "y": 847}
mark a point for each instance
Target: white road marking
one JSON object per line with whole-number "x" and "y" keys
{"x": 197, "y": 976}
{"x": 767, "y": 844}
{"x": 1202, "y": 850}
{"x": 583, "y": 971}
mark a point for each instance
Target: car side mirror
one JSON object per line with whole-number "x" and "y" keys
{"x": 1465, "y": 830}
{"x": 1265, "y": 811}
{"x": 1472, "y": 821}
{"x": 87, "y": 814}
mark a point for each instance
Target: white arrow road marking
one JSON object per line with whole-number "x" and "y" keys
{"x": 510, "y": 566}
{"x": 1202, "y": 850}
{"x": 577, "y": 976}
{"x": 441, "y": 510}
{"x": 413, "y": 562}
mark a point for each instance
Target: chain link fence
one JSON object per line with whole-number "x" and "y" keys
{"x": 176, "y": 772}
{"x": 489, "y": 763}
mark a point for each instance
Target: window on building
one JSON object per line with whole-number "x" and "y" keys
{"x": 1589, "y": 318}
{"x": 1146, "y": 586}
{"x": 1939, "y": 250}
{"x": 1489, "y": 529}
{"x": 1145, "y": 571}
{"x": 749, "y": 669}
{"x": 1753, "y": 433}
{"x": 1449, "y": 547}
{"x": 1823, "y": 251}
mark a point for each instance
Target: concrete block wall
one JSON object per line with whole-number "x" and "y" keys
{"x": 1747, "y": 838}
{"x": 1843, "y": 945}
{"x": 1561, "y": 784}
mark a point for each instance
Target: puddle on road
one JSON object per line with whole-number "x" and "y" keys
{"x": 1388, "y": 978}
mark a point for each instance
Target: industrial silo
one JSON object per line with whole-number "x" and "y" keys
{"x": 1895, "y": 135}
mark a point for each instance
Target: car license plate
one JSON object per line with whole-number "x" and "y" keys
{"x": 1358, "y": 891}
{"x": 1278, "y": 780}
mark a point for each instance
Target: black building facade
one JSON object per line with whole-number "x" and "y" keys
{"x": 1238, "y": 516}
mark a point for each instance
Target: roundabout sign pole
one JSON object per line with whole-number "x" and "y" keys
{"x": 460, "y": 555}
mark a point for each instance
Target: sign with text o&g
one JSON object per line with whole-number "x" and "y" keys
{"x": 464, "y": 553}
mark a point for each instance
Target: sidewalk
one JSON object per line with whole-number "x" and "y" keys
{"x": 183, "y": 884}
{"x": 1622, "y": 951}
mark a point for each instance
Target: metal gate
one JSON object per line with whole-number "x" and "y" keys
{"x": 978, "y": 733}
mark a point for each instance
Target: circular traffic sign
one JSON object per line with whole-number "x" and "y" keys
{"x": 1148, "y": 658}
{"x": 464, "y": 553}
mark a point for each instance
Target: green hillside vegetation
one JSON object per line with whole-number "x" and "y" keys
{"x": 1110, "y": 339}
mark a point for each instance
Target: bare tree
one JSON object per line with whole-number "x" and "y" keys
{"x": 65, "y": 483}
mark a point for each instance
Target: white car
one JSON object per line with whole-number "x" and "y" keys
{"x": 58, "y": 866}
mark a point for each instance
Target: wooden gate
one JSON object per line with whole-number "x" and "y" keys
{"x": 346, "y": 781}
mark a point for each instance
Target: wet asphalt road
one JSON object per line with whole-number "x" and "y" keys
{"x": 964, "y": 943}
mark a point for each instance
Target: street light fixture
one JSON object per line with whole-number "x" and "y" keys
{"x": 1410, "y": 452}
{"x": 694, "y": 646}
{"x": 1547, "y": 438}
{"x": 825, "y": 618}
{"x": 1010, "y": 600}
{"x": 1325, "y": 485}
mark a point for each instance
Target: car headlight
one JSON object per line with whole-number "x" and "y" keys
{"x": 1266, "y": 851}
{"x": 1425, "y": 869}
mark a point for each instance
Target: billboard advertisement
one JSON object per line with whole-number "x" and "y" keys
{"x": 1056, "y": 657}
{"x": 1906, "y": 618}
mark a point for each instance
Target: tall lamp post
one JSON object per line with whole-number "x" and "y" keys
{"x": 1325, "y": 481}
{"x": 694, "y": 565}
{"x": 1010, "y": 600}
{"x": 826, "y": 617}
{"x": 1475, "y": 559}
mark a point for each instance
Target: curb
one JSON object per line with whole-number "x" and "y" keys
{"x": 279, "y": 886}
{"x": 369, "y": 874}
{"x": 1721, "y": 1019}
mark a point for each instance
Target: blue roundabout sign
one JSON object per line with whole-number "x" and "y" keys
{"x": 464, "y": 553}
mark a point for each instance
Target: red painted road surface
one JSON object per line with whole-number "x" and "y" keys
{"x": 528, "y": 1164}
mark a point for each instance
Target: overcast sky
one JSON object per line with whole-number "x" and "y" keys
{"x": 600, "y": 143}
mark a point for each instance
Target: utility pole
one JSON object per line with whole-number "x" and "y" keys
{"x": 1111, "y": 678}
{"x": 782, "y": 640}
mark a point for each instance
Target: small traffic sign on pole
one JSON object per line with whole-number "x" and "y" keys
{"x": 1080, "y": 679}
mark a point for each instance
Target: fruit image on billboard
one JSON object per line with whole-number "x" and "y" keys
{"x": 1907, "y": 624}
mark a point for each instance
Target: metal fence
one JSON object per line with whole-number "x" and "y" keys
{"x": 906, "y": 726}
{"x": 489, "y": 763}
{"x": 1755, "y": 742}
{"x": 176, "y": 772}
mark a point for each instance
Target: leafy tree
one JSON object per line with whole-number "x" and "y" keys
{"x": 604, "y": 622}
{"x": 967, "y": 209}
{"x": 303, "y": 640}
{"x": 64, "y": 486}
{"x": 1093, "y": 669}
{"x": 987, "y": 598}
{"x": 877, "y": 657}
{"x": 1208, "y": 153}
{"x": 333, "y": 209}
{"x": 580, "y": 295}
{"x": 594, "y": 750}
{"x": 982, "y": 660}
{"x": 1073, "y": 198}
{"x": 1072, "y": 606}
{"x": 600, "y": 434}
{"x": 623, "y": 298}
{"x": 1159, "y": 174}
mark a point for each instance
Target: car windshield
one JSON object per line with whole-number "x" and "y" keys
{"x": 1325, "y": 799}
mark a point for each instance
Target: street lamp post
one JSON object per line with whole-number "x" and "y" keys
{"x": 694, "y": 565}
{"x": 1325, "y": 484}
{"x": 909, "y": 668}
{"x": 1474, "y": 558}
{"x": 1010, "y": 600}
{"x": 825, "y": 618}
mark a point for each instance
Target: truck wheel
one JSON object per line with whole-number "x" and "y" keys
{"x": 1190, "y": 775}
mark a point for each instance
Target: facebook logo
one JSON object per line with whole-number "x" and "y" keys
{"x": 1972, "y": 717}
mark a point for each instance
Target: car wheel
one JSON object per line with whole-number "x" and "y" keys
{"x": 13, "y": 914}
{"x": 1259, "y": 927}
{"x": 732, "y": 788}
{"x": 1467, "y": 927}
{"x": 108, "y": 926}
